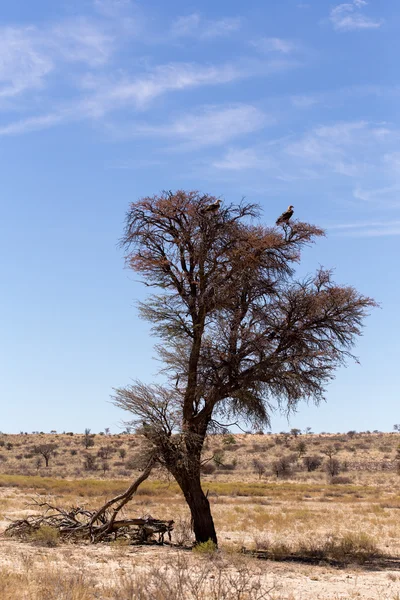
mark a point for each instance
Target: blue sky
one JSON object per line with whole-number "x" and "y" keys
{"x": 104, "y": 101}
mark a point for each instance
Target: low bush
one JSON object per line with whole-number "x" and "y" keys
{"x": 338, "y": 479}
{"x": 45, "y": 536}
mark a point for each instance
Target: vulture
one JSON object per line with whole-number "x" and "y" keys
{"x": 212, "y": 207}
{"x": 285, "y": 217}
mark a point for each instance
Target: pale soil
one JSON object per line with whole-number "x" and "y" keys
{"x": 240, "y": 521}
{"x": 104, "y": 566}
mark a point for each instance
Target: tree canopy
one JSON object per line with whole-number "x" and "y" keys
{"x": 240, "y": 333}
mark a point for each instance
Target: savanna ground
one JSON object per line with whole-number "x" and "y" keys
{"x": 263, "y": 497}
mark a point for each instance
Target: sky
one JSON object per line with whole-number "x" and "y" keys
{"x": 105, "y": 101}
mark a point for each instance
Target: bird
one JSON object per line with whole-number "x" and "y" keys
{"x": 212, "y": 207}
{"x": 285, "y": 216}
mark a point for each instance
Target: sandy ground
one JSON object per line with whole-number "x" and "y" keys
{"x": 285, "y": 581}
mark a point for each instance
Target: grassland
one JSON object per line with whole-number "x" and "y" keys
{"x": 283, "y": 512}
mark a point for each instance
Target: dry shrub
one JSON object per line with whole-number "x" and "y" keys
{"x": 180, "y": 579}
{"x": 45, "y": 536}
{"x": 208, "y": 468}
{"x": 338, "y": 479}
{"x": 182, "y": 533}
{"x": 347, "y": 548}
{"x": 177, "y": 578}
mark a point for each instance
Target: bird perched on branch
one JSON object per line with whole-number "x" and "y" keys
{"x": 285, "y": 217}
{"x": 212, "y": 207}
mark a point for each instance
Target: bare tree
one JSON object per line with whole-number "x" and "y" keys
{"x": 259, "y": 467}
{"x": 239, "y": 333}
{"x": 45, "y": 450}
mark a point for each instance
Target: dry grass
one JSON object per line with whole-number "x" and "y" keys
{"x": 360, "y": 453}
{"x": 304, "y": 513}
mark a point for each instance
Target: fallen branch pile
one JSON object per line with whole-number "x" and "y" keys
{"x": 97, "y": 526}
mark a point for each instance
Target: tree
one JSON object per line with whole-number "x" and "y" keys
{"x": 259, "y": 467}
{"x": 239, "y": 333}
{"x": 45, "y": 450}
{"x": 88, "y": 439}
{"x": 312, "y": 463}
{"x": 301, "y": 448}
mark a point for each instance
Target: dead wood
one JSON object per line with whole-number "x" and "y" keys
{"x": 95, "y": 525}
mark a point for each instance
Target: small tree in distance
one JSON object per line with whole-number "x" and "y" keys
{"x": 45, "y": 450}
{"x": 239, "y": 333}
{"x": 88, "y": 439}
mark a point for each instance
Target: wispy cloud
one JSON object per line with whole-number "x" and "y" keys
{"x": 79, "y": 40}
{"x": 383, "y": 195}
{"x": 195, "y": 26}
{"x": 34, "y": 123}
{"x": 102, "y": 95}
{"x": 28, "y": 55}
{"x": 212, "y": 125}
{"x": 304, "y": 101}
{"x": 23, "y": 65}
{"x": 111, "y": 94}
{"x": 240, "y": 159}
{"x": 389, "y": 227}
{"x": 350, "y": 17}
{"x": 273, "y": 44}
{"x": 358, "y": 156}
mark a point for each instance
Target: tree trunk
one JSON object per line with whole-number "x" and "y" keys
{"x": 203, "y": 524}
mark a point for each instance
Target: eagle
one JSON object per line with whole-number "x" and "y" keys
{"x": 285, "y": 216}
{"x": 212, "y": 207}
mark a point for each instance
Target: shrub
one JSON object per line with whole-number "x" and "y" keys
{"x": 228, "y": 466}
{"x": 312, "y": 463}
{"x": 259, "y": 467}
{"x": 282, "y": 467}
{"x": 228, "y": 440}
{"x": 105, "y": 452}
{"x": 356, "y": 547}
{"x": 301, "y": 448}
{"x": 332, "y": 467}
{"x": 45, "y": 536}
{"x": 208, "y": 547}
{"x": 89, "y": 463}
{"x": 183, "y": 531}
{"x": 337, "y": 479}
{"x": 208, "y": 468}
{"x": 122, "y": 452}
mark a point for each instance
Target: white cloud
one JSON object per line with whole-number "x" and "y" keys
{"x": 239, "y": 159}
{"x": 109, "y": 95}
{"x": 212, "y": 125}
{"x": 23, "y": 65}
{"x": 389, "y": 227}
{"x": 140, "y": 91}
{"x": 384, "y": 194}
{"x": 79, "y": 40}
{"x": 101, "y": 94}
{"x": 272, "y": 44}
{"x": 304, "y": 101}
{"x": 359, "y": 156}
{"x": 194, "y": 25}
{"x": 349, "y": 17}
{"x": 28, "y": 55}
{"x": 33, "y": 124}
